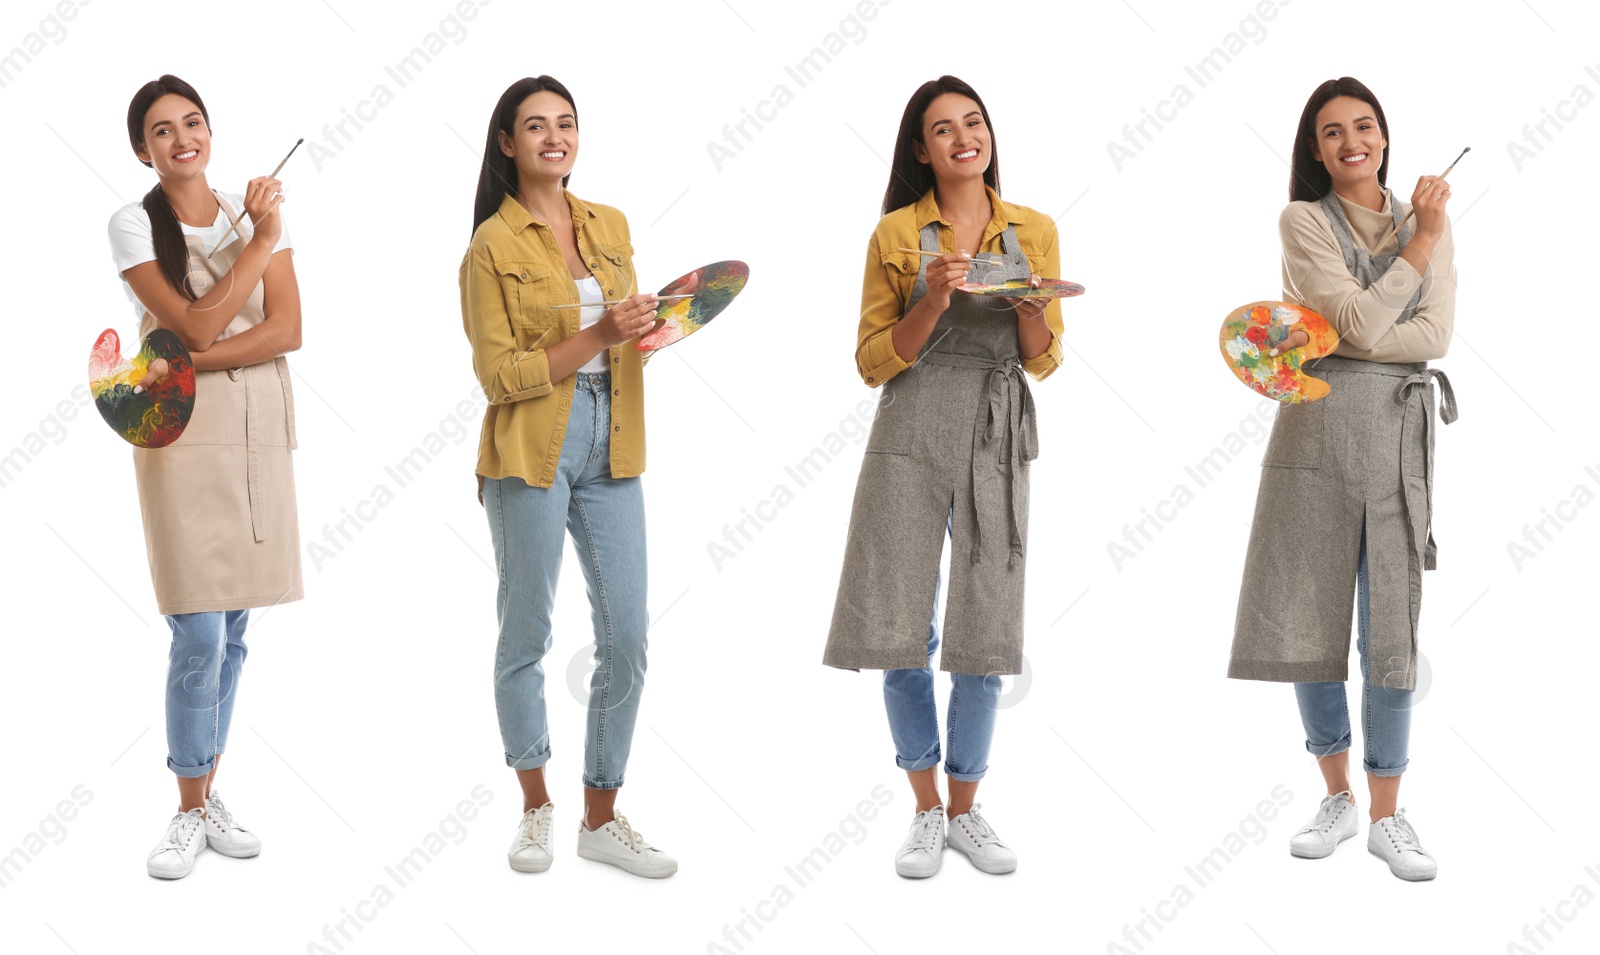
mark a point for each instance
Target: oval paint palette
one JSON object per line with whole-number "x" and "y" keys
{"x": 155, "y": 417}
{"x": 1019, "y": 288}
{"x": 713, "y": 286}
{"x": 1249, "y": 334}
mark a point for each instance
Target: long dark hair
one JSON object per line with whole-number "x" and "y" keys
{"x": 1309, "y": 180}
{"x": 908, "y": 178}
{"x": 499, "y": 173}
{"x": 171, "y": 253}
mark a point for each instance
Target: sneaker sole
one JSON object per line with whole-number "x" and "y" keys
{"x": 984, "y": 866}
{"x": 536, "y": 865}
{"x": 169, "y": 873}
{"x": 1402, "y": 873}
{"x": 659, "y": 870}
{"x": 910, "y": 873}
{"x": 1300, "y": 852}
{"x": 234, "y": 852}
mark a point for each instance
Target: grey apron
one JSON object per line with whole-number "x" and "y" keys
{"x": 951, "y": 442}
{"x": 1358, "y": 461}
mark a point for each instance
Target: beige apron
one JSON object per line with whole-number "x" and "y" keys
{"x": 220, "y": 525}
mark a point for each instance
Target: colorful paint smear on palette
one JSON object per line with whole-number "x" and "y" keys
{"x": 155, "y": 417}
{"x": 1019, "y": 288}
{"x": 1248, "y": 336}
{"x": 713, "y": 286}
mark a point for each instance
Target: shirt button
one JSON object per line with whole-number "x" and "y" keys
{"x": 594, "y": 264}
{"x": 524, "y": 276}
{"x": 616, "y": 361}
{"x": 870, "y": 379}
{"x": 617, "y": 428}
{"x": 618, "y": 392}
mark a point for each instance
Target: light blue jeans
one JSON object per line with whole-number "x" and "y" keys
{"x": 914, "y": 714}
{"x": 1386, "y": 719}
{"x": 202, "y": 678}
{"x": 605, "y": 517}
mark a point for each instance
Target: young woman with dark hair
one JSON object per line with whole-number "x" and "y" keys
{"x": 949, "y": 454}
{"x": 220, "y": 521}
{"x": 562, "y": 448}
{"x": 1346, "y": 496}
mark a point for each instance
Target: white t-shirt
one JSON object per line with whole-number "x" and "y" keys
{"x": 131, "y": 241}
{"x": 589, "y": 291}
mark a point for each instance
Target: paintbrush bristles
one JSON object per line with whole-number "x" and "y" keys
{"x": 1453, "y": 164}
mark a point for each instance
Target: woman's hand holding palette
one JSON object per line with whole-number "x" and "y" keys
{"x": 1252, "y": 333}
{"x": 155, "y": 416}
{"x": 713, "y": 288}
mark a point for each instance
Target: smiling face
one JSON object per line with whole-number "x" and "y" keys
{"x": 1348, "y": 140}
{"x": 955, "y": 138}
{"x": 177, "y": 140}
{"x": 544, "y": 143}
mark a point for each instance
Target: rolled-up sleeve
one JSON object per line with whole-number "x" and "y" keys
{"x": 1048, "y": 265}
{"x": 881, "y": 309}
{"x": 506, "y": 374}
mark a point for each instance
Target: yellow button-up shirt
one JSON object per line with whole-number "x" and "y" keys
{"x": 510, "y": 276}
{"x": 890, "y": 275}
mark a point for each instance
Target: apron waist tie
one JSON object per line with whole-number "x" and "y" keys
{"x": 1448, "y": 414}
{"x": 252, "y": 438}
{"x": 1009, "y": 406}
{"x": 1424, "y": 378}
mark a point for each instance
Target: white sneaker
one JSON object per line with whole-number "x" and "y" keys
{"x": 1334, "y": 822}
{"x": 530, "y": 850}
{"x": 173, "y": 857}
{"x": 972, "y": 835}
{"x": 617, "y": 844}
{"x": 226, "y": 836}
{"x": 1394, "y": 841}
{"x": 919, "y": 855}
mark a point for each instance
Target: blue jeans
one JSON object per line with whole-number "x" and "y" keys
{"x": 914, "y": 714}
{"x": 1386, "y": 722}
{"x": 202, "y": 674}
{"x": 605, "y": 517}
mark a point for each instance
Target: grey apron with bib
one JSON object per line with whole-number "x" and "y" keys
{"x": 221, "y": 528}
{"x": 1358, "y": 461}
{"x": 951, "y": 441}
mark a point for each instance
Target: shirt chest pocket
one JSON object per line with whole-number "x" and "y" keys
{"x": 615, "y": 268}
{"x": 527, "y": 290}
{"x": 902, "y": 268}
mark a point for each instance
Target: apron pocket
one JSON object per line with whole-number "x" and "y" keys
{"x": 1296, "y": 440}
{"x": 892, "y": 425}
{"x": 219, "y": 411}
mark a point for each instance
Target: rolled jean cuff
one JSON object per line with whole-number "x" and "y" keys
{"x": 1387, "y": 772}
{"x": 965, "y": 777}
{"x": 917, "y": 765}
{"x": 192, "y": 772}
{"x": 1328, "y": 749}
{"x": 594, "y": 784}
{"x": 528, "y": 762}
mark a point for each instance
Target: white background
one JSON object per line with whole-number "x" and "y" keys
{"x": 366, "y": 711}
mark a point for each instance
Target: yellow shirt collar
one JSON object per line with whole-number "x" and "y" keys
{"x": 1004, "y": 212}
{"x": 517, "y": 218}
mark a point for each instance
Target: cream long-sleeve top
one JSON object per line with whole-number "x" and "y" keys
{"x": 1314, "y": 275}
